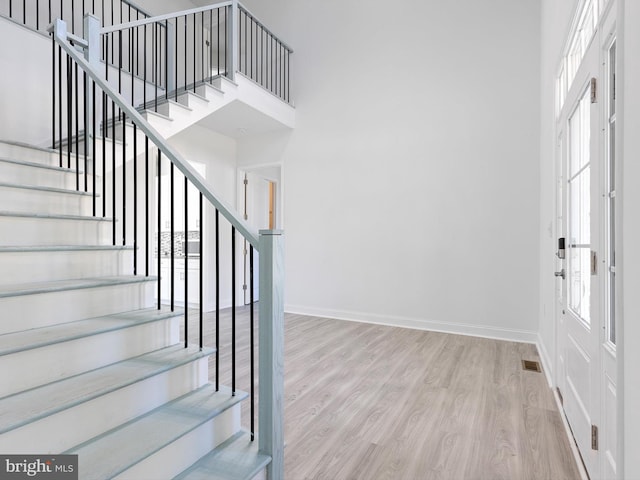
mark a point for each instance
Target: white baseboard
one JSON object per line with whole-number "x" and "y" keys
{"x": 547, "y": 364}
{"x": 485, "y": 331}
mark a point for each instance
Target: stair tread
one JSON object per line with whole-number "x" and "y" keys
{"x": 62, "y": 248}
{"x": 74, "y": 284}
{"x": 119, "y": 449}
{"x": 237, "y": 458}
{"x": 47, "y": 189}
{"x": 23, "y": 408}
{"x": 8, "y": 213}
{"x": 39, "y": 337}
{"x": 54, "y": 168}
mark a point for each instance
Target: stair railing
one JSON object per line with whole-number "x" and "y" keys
{"x": 36, "y": 14}
{"x": 122, "y": 179}
{"x": 163, "y": 56}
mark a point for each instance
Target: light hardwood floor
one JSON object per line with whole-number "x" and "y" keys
{"x": 375, "y": 402}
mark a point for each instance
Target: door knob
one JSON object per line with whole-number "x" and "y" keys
{"x": 560, "y": 273}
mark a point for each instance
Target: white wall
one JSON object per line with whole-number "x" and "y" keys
{"x": 412, "y": 178}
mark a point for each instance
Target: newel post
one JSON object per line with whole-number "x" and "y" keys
{"x": 232, "y": 40}
{"x": 271, "y": 348}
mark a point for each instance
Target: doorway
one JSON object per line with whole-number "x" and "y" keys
{"x": 586, "y": 230}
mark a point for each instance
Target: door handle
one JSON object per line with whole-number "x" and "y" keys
{"x": 560, "y": 273}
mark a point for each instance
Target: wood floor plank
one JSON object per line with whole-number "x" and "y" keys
{"x": 373, "y": 402}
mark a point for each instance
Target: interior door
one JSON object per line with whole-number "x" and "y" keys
{"x": 580, "y": 321}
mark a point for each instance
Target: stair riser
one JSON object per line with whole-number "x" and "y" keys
{"x": 43, "y": 177}
{"x": 44, "y": 266}
{"x": 32, "y": 311}
{"x": 54, "y": 231}
{"x": 78, "y": 356}
{"x": 65, "y": 429}
{"x": 176, "y": 457}
{"x": 43, "y": 202}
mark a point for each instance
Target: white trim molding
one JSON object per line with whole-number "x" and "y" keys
{"x": 484, "y": 331}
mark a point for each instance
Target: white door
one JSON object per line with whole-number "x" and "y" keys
{"x": 580, "y": 321}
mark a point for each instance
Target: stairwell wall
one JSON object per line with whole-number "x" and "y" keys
{"x": 412, "y": 179}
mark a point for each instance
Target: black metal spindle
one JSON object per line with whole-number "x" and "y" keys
{"x": 113, "y": 168}
{"x": 131, "y": 54}
{"x": 194, "y": 52}
{"x": 60, "y": 106}
{"x": 124, "y": 178}
{"x": 202, "y": 46}
{"x": 77, "y": 114}
{"x": 146, "y": 207}
{"x": 49, "y": 11}
{"x": 218, "y": 44}
{"x": 201, "y": 271}
{"x": 10, "y": 9}
{"x": 112, "y": 35}
{"x": 251, "y": 49}
{"x": 69, "y": 110}
{"x": 175, "y": 60}
{"x": 86, "y": 131}
{"x": 24, "y": 12}
{"x": 245, "y": 43}
{"x": 81, "y": 18}
{"x": 159, "y": 256}
{"x": 135, "y": 199}
{"x": 185, "y": 252}
{"x": 93, "y": 143}
{"x": 233, "y": 310}
{"x": 252, "y": 342}
{"x": 171, "y": 203}
{"x": 210, "y": 70}
{"x": 185, "y": 53}
{"x": 53, "y": 93}
{"x": 155, "y": 68}
{"x": 144, "y": 69}
{"x": 104, "y": 154}
{"x": 37, "y": 15}
{"x": 226, "y": 51}
{"x": 73, "y": 18}
{"x": 217, "y": 246}
{"x": 240, "y": 39}
{"x": 166, "y": 59}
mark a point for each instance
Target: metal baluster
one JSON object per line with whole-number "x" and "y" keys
{"x": 104, "y": 154}
{"x": 144, "y": 69}
{"x": 233, "y": 310}
{"x": 60, "y": 106}
{"x": 135, "y": 199}
{"x": 93, "y": 144}
{"x": 217, "y": 300}
{"x": 73, "y": 18}
{"x": 218, "y": 44}
{"x": 77, "y": 113}
{"x": 172, "y": 237}
{"x": 53, "y": 93}
{"x": 186, "y": 263}
{"x": 124, "y": 178}
{"x": 155, "y": 69}
{"x": 202, "y": 46}
{"x": 113, "y": 168}
{"x": 194, "y": 52}
{"x": 37, "y": 15}
{"x": 175, "y": 62}
{"x": 166, "y": 59}
{"x": 86, "y": 122}
{"x": 201, "y": 269}
{"x": 146, "y": 208}
{"x": 159, "y": 258}
{"x": 252, "y": 342}
{"x": 226, "y": 48}
{"x": 69, "y": 110}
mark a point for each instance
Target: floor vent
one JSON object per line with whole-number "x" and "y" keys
{"x": 531, "y": 366}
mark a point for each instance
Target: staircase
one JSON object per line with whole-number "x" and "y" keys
{"x": 91, "y": 366}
